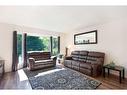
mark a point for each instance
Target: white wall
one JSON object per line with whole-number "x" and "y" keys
{"x": 6, "y": 45}
{"x": 6, "y": 38}
{"x": 112, "y": 39}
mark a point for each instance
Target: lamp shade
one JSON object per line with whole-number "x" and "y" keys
{"x": 69, "y": 46}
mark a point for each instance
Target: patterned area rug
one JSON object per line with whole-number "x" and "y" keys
{"x": 60, "y": 78}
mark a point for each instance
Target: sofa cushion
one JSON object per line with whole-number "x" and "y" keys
{"x": 75, "y": 57}
{"x": 43, "y": 66}
{"x": 67, "y": 62}
{"x": 84, "y": 53}
{"x": 75, "y": 52}
{"x": 95, "y": 57}
{"x": 85, "y": 65}
{"x": 85, "y": 71}
{"x": 43, "y": 62}
{"x": 82, "y": 56}
{"x": 96, "y": 54}
{"x": 38, "y": 55}
{"x": 75, "y": 67}
{"x": 82, "y": 59}
{"x": 75, "y": 63}
{"x": 91, "y": 59}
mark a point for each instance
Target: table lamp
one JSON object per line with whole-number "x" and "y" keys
{"x": 66, "y": 50}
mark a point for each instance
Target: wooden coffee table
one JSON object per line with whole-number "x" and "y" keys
{"x": 120, "y": 69}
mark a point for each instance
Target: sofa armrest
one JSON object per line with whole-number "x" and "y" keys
{"x": 54, "y": 59}
{"x": 68, "y": 58}
{"x": 96, "y": 69}
{"x": 31, "y": 60}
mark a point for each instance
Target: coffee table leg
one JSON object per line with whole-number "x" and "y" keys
{"x": 120, "y": 76}
{"x": 123, "y": 74}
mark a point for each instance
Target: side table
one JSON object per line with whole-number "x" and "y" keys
{"x": 1, "y": 68}
{"x": 60, "y": 60}
{"x": 120, "y": 69}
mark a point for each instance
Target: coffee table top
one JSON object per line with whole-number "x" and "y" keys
{"x": 118, "y": 68}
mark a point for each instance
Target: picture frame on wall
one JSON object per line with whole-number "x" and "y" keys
{"x": 86, "y": 38}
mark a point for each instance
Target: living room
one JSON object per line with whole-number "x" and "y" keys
{"x": 104, "y": 28}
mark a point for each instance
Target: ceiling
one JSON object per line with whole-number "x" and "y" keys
{"x": 60, "y": 18}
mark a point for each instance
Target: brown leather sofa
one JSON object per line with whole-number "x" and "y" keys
{"x": 39, "y": 60}
{"x": 87, "y": 62}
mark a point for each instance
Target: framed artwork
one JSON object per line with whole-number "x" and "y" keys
{"x": 86, "y": 38}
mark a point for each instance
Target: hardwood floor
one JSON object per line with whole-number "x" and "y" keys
{"x": 15, "y": 80}
{"x": 112, "y": 82}
{"x": 18, "y": 80}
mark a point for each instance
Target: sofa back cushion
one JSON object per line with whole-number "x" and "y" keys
{"x": 88, "y": 56}
{"x": 38, "y": 55}
{"x": 83, "y": 56}
{"x": 75, "y": 55}
{"x": 79, "y": 55}
{"x": 95, "y": 57}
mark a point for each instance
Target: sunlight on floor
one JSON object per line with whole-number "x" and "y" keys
{"x": 49, "y": 72}
{"x": 22, "y": 75}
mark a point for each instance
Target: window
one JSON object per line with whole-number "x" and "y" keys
{"x": 55, "y": 49}
{"x": 43, "y": 43}
{"x": 26, "y": 43}
{"x": 37, "y": 43}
